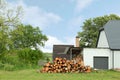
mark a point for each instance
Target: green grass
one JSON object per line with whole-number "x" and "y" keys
{"x": 31, "y": 74}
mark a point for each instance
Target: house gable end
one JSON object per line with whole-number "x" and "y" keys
{"x": 112, "y": 30}
{"x": 102, "y": 40}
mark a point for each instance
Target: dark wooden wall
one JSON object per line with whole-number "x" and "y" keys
{"x": 72, "y": 52}
{"x": 58, "y": 51}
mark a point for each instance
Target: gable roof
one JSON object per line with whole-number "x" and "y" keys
{"x": 112, "y": 30}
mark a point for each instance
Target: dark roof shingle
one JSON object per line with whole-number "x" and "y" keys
{"x": 112, "y": 30}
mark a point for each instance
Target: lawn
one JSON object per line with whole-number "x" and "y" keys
{"x": 31, "y": 74}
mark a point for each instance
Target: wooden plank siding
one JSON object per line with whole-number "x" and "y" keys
{"x": 58, "y": 51}
{"x": 66, "y": 51}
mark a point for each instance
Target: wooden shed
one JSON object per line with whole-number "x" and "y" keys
{"x": 66, "y": 51}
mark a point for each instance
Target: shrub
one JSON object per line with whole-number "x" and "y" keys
{"x": 8, "y": 67}
{"x": 9, "y": 58}
{"x": 20, "y": 59}
{"x": 29, "y": 56}
{"x": 1, "y": 65}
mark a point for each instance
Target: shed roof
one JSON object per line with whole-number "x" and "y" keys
{"x": 61, "y": 49}
{"x": 112, "y": 31}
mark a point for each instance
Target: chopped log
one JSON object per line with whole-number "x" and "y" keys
{"x": 61, "y": 65}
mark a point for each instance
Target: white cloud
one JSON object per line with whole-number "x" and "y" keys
{"x": 36, "y": 16}
{"x": 81, "y": 4}
{"x": 49, "y": 44}
{"x": 55, "y": 41}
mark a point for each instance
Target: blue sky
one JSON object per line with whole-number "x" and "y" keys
{"x": 60, "y": 20}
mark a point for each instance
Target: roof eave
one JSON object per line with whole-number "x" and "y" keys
{"x": 101, "y": 29}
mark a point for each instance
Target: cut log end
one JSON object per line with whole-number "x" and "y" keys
{"x": 61, "y": 65}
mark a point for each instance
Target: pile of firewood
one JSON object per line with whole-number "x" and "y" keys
{"x": 61, "y": 65}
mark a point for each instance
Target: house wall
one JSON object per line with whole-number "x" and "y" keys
{"x": 90, "y": 53}
{"x": 102, "y": 42}
{"x": 116, "y": 59}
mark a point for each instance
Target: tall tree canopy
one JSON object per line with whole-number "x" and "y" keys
{"x": 26, "y": 36}
{"x": 9, "y": 18}
{"x": 14, "y": 35}
{"x": 91, "y": 27}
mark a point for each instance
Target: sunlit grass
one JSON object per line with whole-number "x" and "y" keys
{"x": 31, "y": 74}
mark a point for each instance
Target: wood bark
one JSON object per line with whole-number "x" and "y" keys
{"x": 61, "y": 65}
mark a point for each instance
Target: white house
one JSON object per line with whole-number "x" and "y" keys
{"x": 107, "y": 53}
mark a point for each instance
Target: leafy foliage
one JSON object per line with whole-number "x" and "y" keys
{"x": 17, "y": 39}
{"x": 11, "y": 15}
{"x": 9, "y": 18}
{"x": 26, "y": 36}
{"x": 91, "y": 29}
{"x": 29, "y": 56}
{"x": 4, "y": 38}
{"x": 21, "y": 59}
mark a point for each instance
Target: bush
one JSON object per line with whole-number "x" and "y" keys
{"x": 8, "y": 67}
{"x": 10, "y": 58}
{"x": 29, "y": 56}
{"x": 20, "y": 59}
{"x": 1, "y": 65}
{"x": 8, "y": 61}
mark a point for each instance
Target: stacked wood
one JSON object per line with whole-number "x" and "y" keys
{"x": 61, "y": 65}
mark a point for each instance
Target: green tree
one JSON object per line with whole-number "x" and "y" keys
{"x": 26, "y": 36}
{"x": 10, "y": 15}
{"x": 91, "y": 29}
{"x": 9, "y": 18}
{"x": 3, "y": 38}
